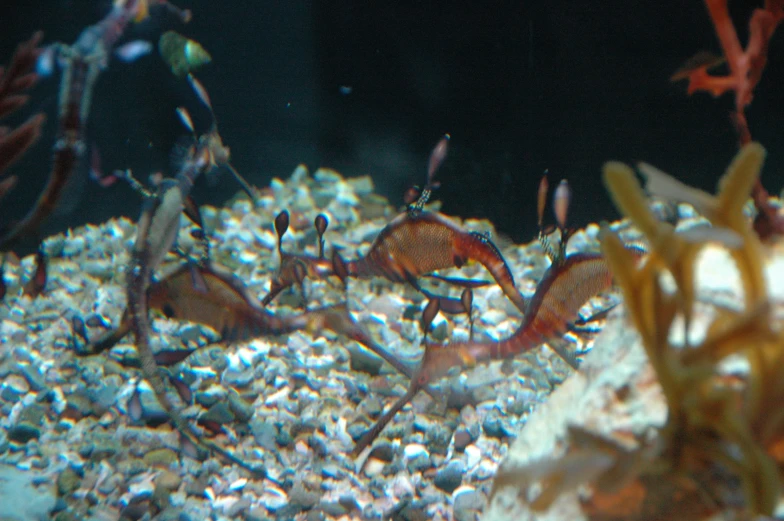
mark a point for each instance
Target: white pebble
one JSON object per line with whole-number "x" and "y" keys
{"x": 413, "y": 450}
{"x": 473, "y": 456}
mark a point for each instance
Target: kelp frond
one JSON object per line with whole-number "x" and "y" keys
{"x": 722, "y": 445}
{"x": 711, "y": 424}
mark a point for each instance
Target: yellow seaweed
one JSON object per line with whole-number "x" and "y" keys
{"x": 723, "y": 431}
{"x": 711, "y": 424}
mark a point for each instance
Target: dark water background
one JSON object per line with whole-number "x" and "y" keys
{"x": 520, "y": 86}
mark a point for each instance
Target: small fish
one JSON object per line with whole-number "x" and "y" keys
{"x": 345, "y": 89}
{"x": 134, "y": 50}
{"x": 182, "y": 54}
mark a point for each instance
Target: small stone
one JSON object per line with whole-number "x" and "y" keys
{"x": 9, "y": 394}
{"x": 450, "y": 477}
{"x": 473, "y": 455}
{"x": 23, "y": 432}
{"x": 33, "y": 376}
{"x": 493, "y": 425}
{"x": 168, "y": 480}
{"x": 402, "y": 487}
{"x": 485, "y": 470}
{"x": 160, "y": 457}
{"x": 356, "y": 430}
{"x": 383, "y": 451}
{"x": 109, "y": 485}
{"x": 440, "y": 333}
{"x": 413, "y": 450}
{"x": 466, "y": 502}
{"x": 332, "y": 471}
{"x": 315, "y": 515}
{"x": 332, "y": 508}
{"x": 422, "y": 423}
{"x": 238, "y": 507}
{"x": 153, "y": 412}
{"x": 242, "y": 410}
{"x": 104, "y": 448}
{"x": 284, "y": 438}
{"x": 210, "y": 396}
{"x": 196, "y": 487}
{"x": 371, "y": 406}
{"x": 68, "y": 481}
{"x": 462, "y": 439}
{"x": 33, "y": 414}
{"x": 318, "y": 445}
{"x": 437, "y": 438}
{"x": 363, "y": 361}
{"x": 219, "y": 413}
{"x": 418, "y": 463}
{"x": 373, "y": 467}
{"x": 349, "y": 502}
{"x": 304, "y": 426}
{"x": 16, "y": 383}
{"x": 264, "y": 433}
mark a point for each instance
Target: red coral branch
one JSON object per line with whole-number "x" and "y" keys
{"x": 745, "y": 66}
{"x": 14, "y": 81}
{"x": 745, "y": 71}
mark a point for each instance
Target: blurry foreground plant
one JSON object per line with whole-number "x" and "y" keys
{"x": 721, "y": 446}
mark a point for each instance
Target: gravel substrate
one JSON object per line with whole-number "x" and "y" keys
{"x": 293, "y": 404}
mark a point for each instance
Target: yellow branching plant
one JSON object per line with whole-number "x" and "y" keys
{"x": 715, "y": 425}
{"x": 721, "y": 448}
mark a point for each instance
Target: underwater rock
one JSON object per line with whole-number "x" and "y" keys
{"x": 160, "y": 458}
{"x": 467, "y": 502}
{"x": 243, "y": 411}
{"x": 21, "y": 499}
{"x": 617, "y": 360}
{"x": 450, "y": 477}
{"x": 219, "y": 413}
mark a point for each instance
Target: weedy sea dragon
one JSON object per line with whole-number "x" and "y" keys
{"x": 211, "y": 295}
{"x": 569, "y": 282}
{"x": 414, "y": 244}
{"x": 82, "y": 63}
{"x": 157, "y": 231}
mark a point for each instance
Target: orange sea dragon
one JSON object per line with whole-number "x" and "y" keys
{"x": 567, "y": 285}
{"x": 414, "y": 244}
